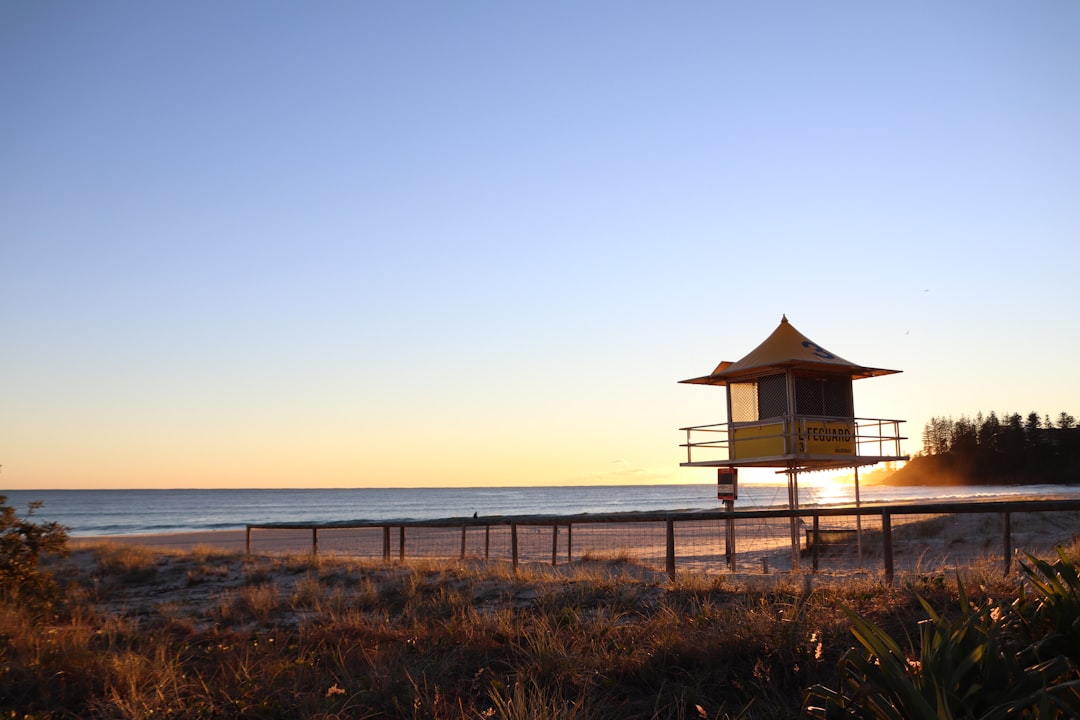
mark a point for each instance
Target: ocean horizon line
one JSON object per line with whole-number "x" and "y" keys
{"x": 136, "y": 511}
{"x": 294, "y": 488}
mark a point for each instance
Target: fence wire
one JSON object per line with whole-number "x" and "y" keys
{"x": 827, "y": 540}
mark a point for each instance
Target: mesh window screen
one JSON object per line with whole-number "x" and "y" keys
{"x": 809, "y": 398}
{"x": 838, "y": 397}
{"x": 760, "y": 399}
{"x": 743, "y": 401}
{"x": 772, "y": 396}
{"x": 824, "y": 396}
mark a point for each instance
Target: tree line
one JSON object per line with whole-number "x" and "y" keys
{"x": 1007, "y": 448}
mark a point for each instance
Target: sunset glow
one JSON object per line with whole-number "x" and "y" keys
{"x": 374, "y": 245}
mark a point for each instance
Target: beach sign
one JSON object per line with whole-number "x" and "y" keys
{"x": 727, "y": 484}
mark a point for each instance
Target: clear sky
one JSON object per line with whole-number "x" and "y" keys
{"x": 265, "y": 244}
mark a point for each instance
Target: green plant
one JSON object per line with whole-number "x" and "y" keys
{"x": 990, "y": 661}
{"x": 23, "y": 544}
{"x": 1053, "y": 616}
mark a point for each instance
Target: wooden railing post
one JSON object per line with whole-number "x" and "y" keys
{"x": 554, "y": 544}
{"x": 513, "y": 545}
{"x": 729, "y": 535}
{"x": 887, "y": 549}
{"x": 386, "y": 543}
{"x": 401, "y": 543}
{"x": 487, "y": 542}
{"x": 314, "y": 541}
{"x": 671, "y": 548}
{"x": 248, "y": 543}
{"x": 569, "y": 542}
{"x": 816, "y": 541}
{"x": 463, "y": 527}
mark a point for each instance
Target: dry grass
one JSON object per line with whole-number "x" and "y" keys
{"x": 211, "y": 634}
{"x": 127, "y": 561}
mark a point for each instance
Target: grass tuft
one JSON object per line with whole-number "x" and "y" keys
{"x": 125, "y": 562}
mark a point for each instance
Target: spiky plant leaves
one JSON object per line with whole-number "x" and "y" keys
{"x": 1055, "y": 617}
{"x": 992, "y": 661}
{"x": 875, "y": 683}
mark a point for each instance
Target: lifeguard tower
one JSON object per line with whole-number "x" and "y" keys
{"x": 789, "y": 406}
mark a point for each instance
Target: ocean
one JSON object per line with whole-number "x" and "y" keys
{"x": 127, "y": 512}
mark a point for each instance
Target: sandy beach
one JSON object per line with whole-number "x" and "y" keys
{"x": 228, "y": 540}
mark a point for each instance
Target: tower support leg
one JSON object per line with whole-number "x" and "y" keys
{"x": 793, "y": 504}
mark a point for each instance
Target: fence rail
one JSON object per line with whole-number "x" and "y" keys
{"x": 898, "y": 536}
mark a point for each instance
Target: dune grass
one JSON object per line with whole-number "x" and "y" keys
{"x": 209, "y": 634}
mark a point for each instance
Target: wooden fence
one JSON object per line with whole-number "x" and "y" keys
{"x": 909, "y": 535}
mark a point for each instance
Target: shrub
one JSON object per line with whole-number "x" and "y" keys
{"x": 23, "y": 543}
{"x": 992, "y": 660}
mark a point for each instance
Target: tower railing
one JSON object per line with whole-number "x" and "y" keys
{"x": 794, "y": 437}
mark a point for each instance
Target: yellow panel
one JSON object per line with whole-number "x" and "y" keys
{"x": 757, "y": 441}
{"x": 819, "y": 437}
{"x": 814, "y": 437}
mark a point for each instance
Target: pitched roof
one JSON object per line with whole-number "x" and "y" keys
{"x": 785, "y": 348}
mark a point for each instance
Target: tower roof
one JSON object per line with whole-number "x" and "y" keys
{"x": 786, "y": 348}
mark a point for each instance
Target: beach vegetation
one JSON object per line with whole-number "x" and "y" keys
{"x": 125, "y": 562}
{"x": 205, "y": 553}
{"x": 24, "y": 545}
{"x": 996, "y": 658}
{"x": 466, "y": 641}
{"x": 201, "y": 572}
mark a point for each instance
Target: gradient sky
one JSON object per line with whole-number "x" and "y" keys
{"x": 264, "y": 244}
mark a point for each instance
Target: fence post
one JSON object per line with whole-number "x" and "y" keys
{"x": 314, "y": 540}
{"x": 1006, "y": 523}
{"x": 487, "y": 542}
{"x": 886, "y": 535}
{"x": 569, "y": 542}
{"x": 463, "y": 527}
{"x": 671, "y": 548}
{"x": 401, "y": 543}
{"x": 729, "y": 535}
{"x": 817, "y": 537}
{"x": 554, "y": 544}
{"x": 513, "y": 545}
{"x": 386, "y": 543}
{"x": 248, "y": 544}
